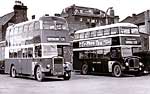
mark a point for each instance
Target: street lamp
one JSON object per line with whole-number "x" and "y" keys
{"x": 106, "y": 14}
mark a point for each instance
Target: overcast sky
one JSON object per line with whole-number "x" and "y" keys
{"x": 123, "y": 8}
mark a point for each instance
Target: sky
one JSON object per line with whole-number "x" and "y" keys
{"x": 123, "y": 8}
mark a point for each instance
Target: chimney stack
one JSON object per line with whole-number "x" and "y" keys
{"x": 20, "y": 12}
{"x": 33, "y": 16}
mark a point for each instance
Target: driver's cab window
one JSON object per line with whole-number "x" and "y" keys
{"x": 60, "y": 50}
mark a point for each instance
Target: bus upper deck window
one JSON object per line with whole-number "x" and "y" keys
{"x": 134, "y": 30}
{"x": 76, "y": 36}
{"x": 125, "y": 30}
{"x": 37, "y": 25}
{"x": 100, "y": 32}
{"x": 93, "y": 34}
{"x": 107, "y": 31}
{"x": 81, "y": 35}
{"x": 87, "y": 34}
{"x": 114, "y": 30}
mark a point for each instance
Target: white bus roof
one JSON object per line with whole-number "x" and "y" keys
{"x": 30, "y": 21}
{"x": 106, "y": 26}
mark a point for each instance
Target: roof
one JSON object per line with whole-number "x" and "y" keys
{"x": 106, "y": 26}
{"x": 86, "y": 11}
{"x": 4, "y": 19}
{"x": 135, "y": 19}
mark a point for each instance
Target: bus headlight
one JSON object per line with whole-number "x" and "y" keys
{"x": 127, "y": 64}
{"x": 48, "y": 66}
{"x": 141, "y": 64}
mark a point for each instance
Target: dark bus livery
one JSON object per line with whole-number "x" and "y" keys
{"x": 39, "y": 48}
{"x": 108, "y": 49}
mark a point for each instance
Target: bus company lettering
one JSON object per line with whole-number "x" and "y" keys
{"x": 131, "y": 41}
{"x": 96, "y": 42}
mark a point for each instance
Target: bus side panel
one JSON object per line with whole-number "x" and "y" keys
{"x": 9, "y": 63}
{"x": 104, "y": 66}
{"x": 29, "y": 66}
{"x": 76, "y": 63}
{"x": 7, "y": 66}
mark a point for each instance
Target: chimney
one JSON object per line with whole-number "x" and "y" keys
{"x": 20, "y": 12}
{"x": 33, "y": 17}
{"x": 56, "y": 14}
{"x": 133, "y": 15}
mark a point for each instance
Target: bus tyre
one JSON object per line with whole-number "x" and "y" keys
{"x": 67, "y": 75}
{"x": 84, "y": 69}
{"x": 116, "y": 71}
{"x": 39, "y": 76}
{"x": 13, "y": 72}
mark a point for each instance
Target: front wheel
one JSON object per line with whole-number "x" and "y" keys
{"x": 67, "y": 75}
{"x": 38, "y": 74}
{"x": 84, "y": 69}
{"x": 117, "y": 71}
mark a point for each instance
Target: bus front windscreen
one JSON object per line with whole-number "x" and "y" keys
{"x": 126, "y": 51}
{"x": 56, "y": 25}
{"x": 49, "y": 50}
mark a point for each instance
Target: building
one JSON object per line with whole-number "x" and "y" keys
{"x": 79, "y": 17}
{"x": 18, "y": 15}
{"x": 142, "y": 20}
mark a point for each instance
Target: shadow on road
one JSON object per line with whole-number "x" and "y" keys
{"x": 109, "y": 75}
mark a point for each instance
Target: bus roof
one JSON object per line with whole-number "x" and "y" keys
{"x": 106, "y": 26}
{"x": 30, "y": 21}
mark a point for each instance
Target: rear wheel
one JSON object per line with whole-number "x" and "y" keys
{"x": 38, "y": 74}
{"x": 117, "y": 71}
{"x": 13, "y": 72}
{"x": 84, "y": 69}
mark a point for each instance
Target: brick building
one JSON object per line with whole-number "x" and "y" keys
{"x": 142, "y": 20}
{"x": 79, "y": 17}
{"x": 18, "y": 15}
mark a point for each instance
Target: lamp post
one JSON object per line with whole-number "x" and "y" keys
{"x": 106, "y": 20}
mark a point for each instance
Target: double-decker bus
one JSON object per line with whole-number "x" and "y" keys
{"x": 38, "y": 48}
{"x": 107, "y": 49}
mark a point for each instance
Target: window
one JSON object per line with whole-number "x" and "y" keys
{"x": 106, "y": 51}
{"x": 100, "y": 53}
{"x": 114, "y": 30}
{"x": 26, "y": 27}
{"x": 60, "y": 50}
{"x": 81, "y": 35}
{"x": 126, "y": 52}
{"x": 19, "y": 53}
{"x": 125, "y": 30}
{"x": 24, "y": 52}
{"x": 30, "y": 52}
{"x": 107, "y": 31}
{"x": 87, "y": 34}
{"x": 76, "y": 36}
{"x": 134, "y": 31}
{"x": 61, "y": 26}
{"x": 38, "y": 51}
{"x": 81, "y": 19}
{"x": 81, "y": 55}
{"x": 93, "y": 33}
{"x": 11, "y": 55}
{"x": 20, "y": 29}
{"x": 135, "y": 49}
{"x": 37, "y": 25}
{"x": 50, "y": 25}
{"x": 50, "y": 50}
{"x": 100, "y": 32}
{"x": 31, "y": 27}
